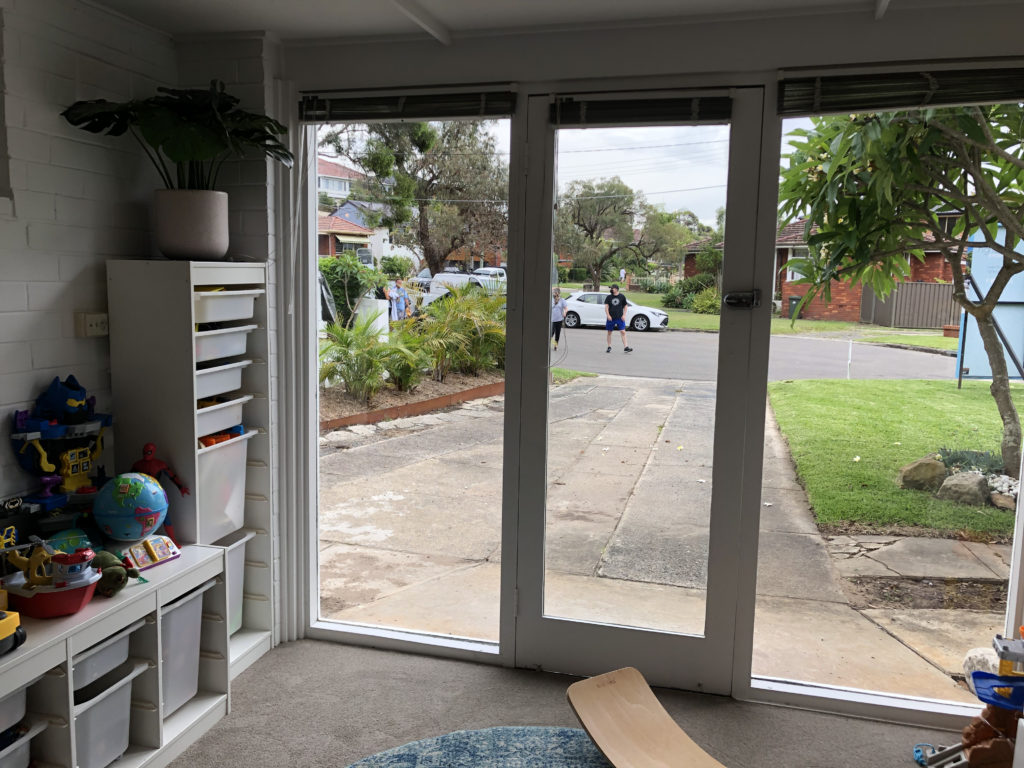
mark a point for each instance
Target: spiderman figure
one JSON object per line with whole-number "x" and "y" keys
{"x": 154, "y": 467}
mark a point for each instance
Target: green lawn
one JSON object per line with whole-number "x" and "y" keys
{"x": 564, "y": 375}
{"x": 850, "y": 438}
{"x": 927, "y": 341}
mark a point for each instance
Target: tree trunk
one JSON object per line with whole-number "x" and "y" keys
{"x": 431, "y": 255}
{"x": 595, "y": 276}
{"x": 1000, "y": 390}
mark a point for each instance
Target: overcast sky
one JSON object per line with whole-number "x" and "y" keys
{"x": 677, "y": 167}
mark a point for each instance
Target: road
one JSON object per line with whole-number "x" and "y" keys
{"x": 693, "y": 356}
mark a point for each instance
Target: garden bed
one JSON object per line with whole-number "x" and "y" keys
{"x": 338, "y": 409}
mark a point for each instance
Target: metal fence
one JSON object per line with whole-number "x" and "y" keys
{"x": 911, "y": 305}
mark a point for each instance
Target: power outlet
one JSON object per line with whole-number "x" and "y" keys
{"x": 91, "y": 324}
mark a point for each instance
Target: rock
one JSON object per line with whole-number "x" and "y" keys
{"x": 983, "y": 659}
{"x": 1003, "y": 501}
{"x": 924, "y": 474}
{"x": 965, "y": 488}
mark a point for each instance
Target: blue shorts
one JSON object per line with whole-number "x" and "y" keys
{"x": 618, "y": 324}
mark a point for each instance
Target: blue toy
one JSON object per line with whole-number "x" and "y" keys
{"x": 130, "y": 507}
{"x": 60, "y": 439}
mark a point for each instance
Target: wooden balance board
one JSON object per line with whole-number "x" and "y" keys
{"x": 628, "y": 724}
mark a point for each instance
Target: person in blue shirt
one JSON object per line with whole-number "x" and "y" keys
{"x": 399, "y": 300}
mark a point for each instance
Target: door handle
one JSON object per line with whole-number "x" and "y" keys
{"x": 743, "y": 299}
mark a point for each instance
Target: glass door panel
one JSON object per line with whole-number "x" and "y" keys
{"x": 635, "y": 553}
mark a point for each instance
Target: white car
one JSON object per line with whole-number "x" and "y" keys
{"x": 587, "y": 308}
{"x": 497, "y": 273}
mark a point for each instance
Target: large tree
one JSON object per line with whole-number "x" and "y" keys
{"x": 443, "y": 185}
{"x": 605, "y": 222}
{"x": 881, "y": 187}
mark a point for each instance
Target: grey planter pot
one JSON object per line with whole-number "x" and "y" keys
{"x": 191, "y": 223}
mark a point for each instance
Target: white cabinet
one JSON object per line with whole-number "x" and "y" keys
{"x": 189, "y": 359}
{"x": 91, "y": 686}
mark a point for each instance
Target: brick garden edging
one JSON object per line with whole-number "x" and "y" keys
{"x": 414, "y": 409}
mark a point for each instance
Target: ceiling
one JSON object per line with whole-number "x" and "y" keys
{"x": 445, "y": 20}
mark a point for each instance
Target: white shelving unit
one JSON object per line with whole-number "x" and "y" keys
{"x": 49, "y": 665}
{"x": 181, "y": 332}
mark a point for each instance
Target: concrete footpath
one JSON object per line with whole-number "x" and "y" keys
{"x": 410, "y": 537}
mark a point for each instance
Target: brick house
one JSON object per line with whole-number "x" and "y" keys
{"x": 845, "y": 305}
{"x": 335, "y": 235}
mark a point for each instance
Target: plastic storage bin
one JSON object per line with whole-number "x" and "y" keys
{"x": 218, "y": 306}
{"x": 18, "y": 754}
{"x": 220, "y": 488}
{"x": 12, "y": 709}
{"x": 180, "y": 625}
{"x": 235, "y": 575}
{"x": 97, "y": 661}
{"x": 223, "y": 342}
{"x": 102, "y": 716}
{"x": 220, "y": 379}
{"x": 221, "y": 416}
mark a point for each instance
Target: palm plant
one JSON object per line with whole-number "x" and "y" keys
{"x": 355, "y": 357}
{"x": 404, "y": 359}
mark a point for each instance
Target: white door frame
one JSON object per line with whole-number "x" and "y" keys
{"x": 703, "y": 663}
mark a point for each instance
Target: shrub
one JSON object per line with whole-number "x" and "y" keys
{"x": 680, "y": 295}
{"x": 396, "y": 266}
{"x": 354, "y": 356}
{"x": 404, "y": 358}
{"x": 653, "y": 285}
{"x": 707, "y": 302}
{"x": 348, "y": 281}
{"x": 563, "y": 275}
{"x": 985, "y": 462}
{"x": 578, "y": 275}
{"x": 697, "y": 283}
{"x": 464, "y": 331}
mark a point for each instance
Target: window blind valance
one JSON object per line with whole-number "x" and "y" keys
{"x": 825, "y": 94}
{"x": 579, "y": 111}
{"x": 339, "y": 107}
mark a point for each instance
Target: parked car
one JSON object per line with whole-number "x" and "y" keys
{"x": 422, "y": 279}
{"x": 495, "y": 272}
{"x": 442, "y": 281}
{"x": 587, "y": 308}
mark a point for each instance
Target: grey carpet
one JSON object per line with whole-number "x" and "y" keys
{"x": 315, "y": 704}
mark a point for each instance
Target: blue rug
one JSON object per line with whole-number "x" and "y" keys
{"x": 519, "y": 747}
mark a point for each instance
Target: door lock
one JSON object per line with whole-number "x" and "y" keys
{"x": 743, "y": 299}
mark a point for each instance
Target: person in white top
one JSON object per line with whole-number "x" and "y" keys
{"x": 558, "y": 307}
{"x": 622, "y": 275}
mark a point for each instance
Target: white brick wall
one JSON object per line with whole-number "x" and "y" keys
{"x": 78, "y": 199}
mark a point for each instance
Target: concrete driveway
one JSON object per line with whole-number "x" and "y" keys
{"x": 410, "y": 528}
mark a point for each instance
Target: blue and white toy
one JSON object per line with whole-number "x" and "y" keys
{"x": 130, "y": 507}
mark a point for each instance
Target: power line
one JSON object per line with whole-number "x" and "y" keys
{"x": 584, "y": 197}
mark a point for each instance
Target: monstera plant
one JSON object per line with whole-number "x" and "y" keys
{"x": 187, "y": 135}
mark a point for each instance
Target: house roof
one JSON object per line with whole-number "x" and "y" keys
{"x": 327, "y": 167}
{"x": 333, "y": 225}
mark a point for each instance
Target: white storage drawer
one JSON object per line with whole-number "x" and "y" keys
{"x": 12, "y": 709}
{"x": 223, "y": 342}
{"x": 219, "y": 306}
{"x": 102, "y": 716}
{"x": 180, "y": 626}
{"x": 220, "y": 379}
{"x": 214, "y": 418}
{"x": 220, "y": 488}
{"x": 235, "y": 575}
{"x": 95, "y": 662}
{"x": 18, "y": 754}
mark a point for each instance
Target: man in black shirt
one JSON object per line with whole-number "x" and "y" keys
{"x": 615, "y": 317}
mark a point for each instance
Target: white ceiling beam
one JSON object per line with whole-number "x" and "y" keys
{"x": 425, "y": 19}
{"x": 881, "y": 6}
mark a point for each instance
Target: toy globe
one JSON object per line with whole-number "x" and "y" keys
{"x": 130, "y": 507}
